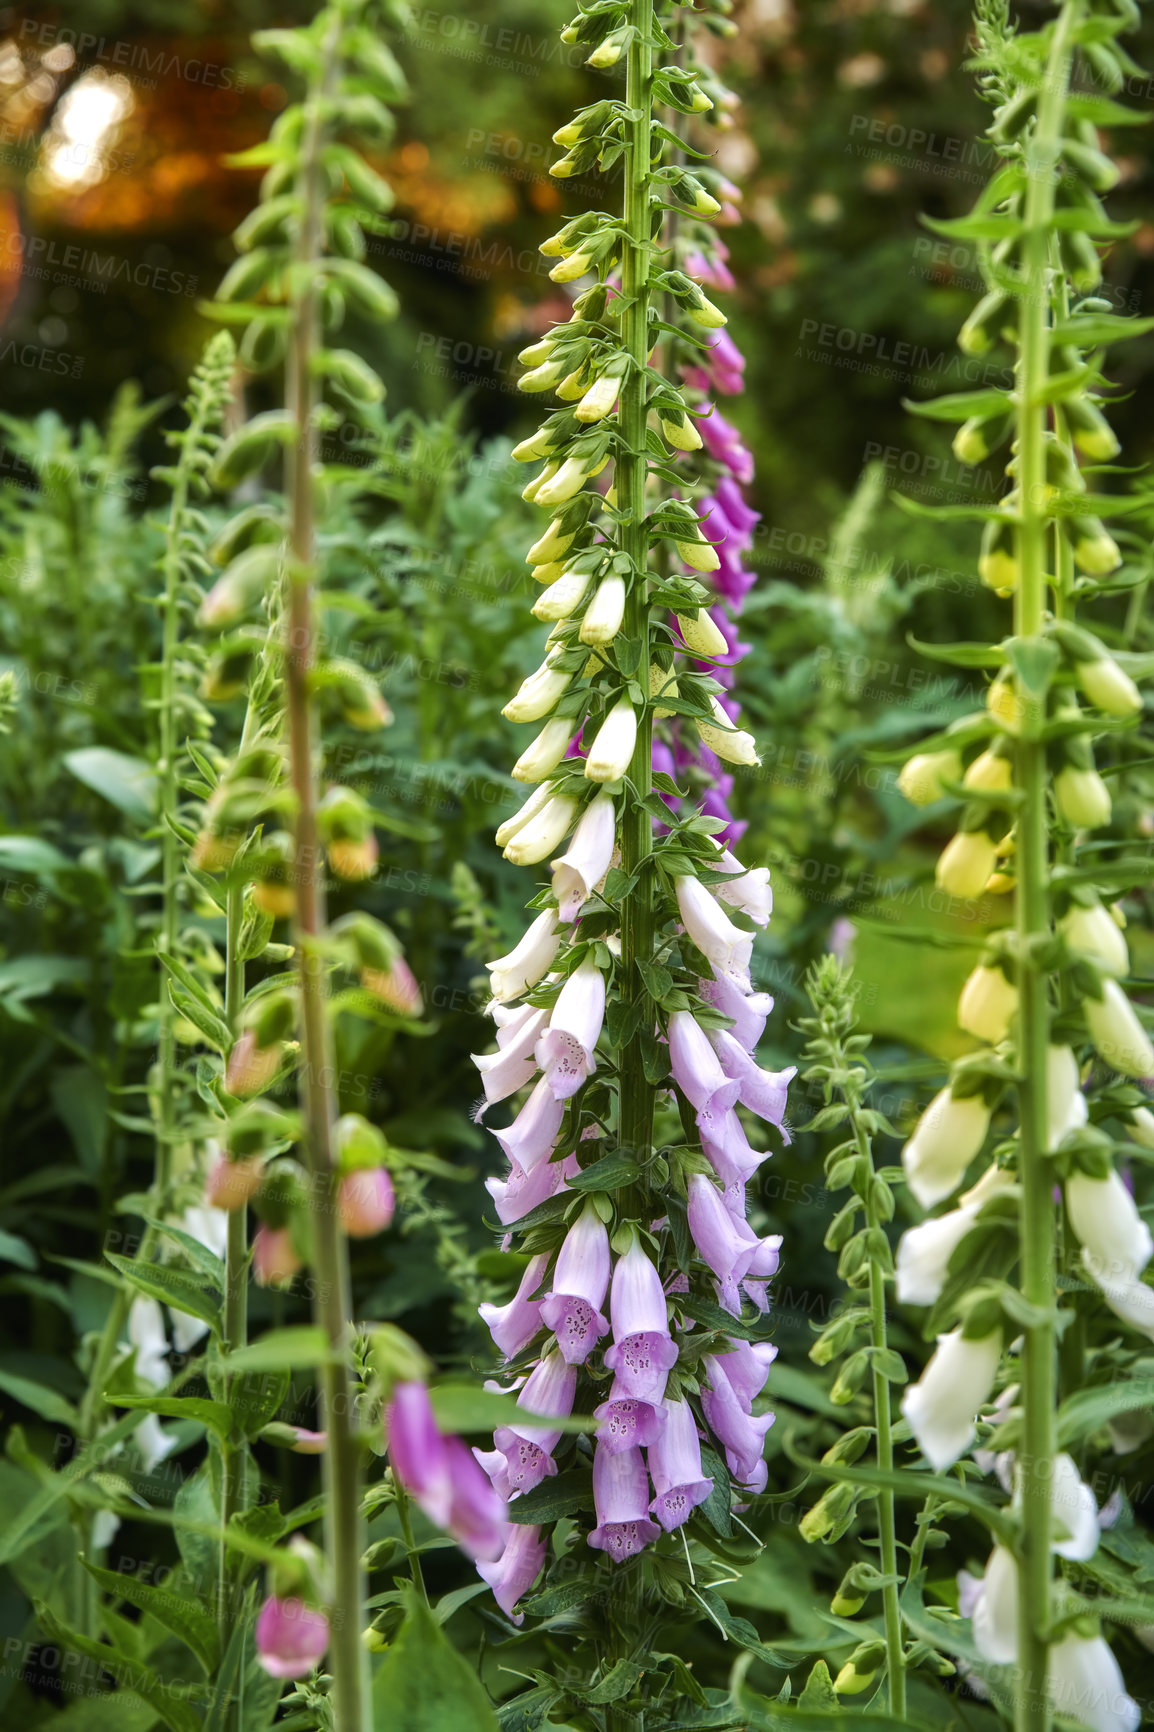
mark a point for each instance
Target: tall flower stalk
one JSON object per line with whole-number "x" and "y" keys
{"x": 1044, "y": 1001}
{"x": 628, "y": 999}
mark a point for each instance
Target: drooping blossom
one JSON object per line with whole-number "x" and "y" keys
{"x": 527, "y": 1448}
{"x": 512, "y": 1574}
{"x": 675, "y": 1465}
{"x": 514, "y": 1325}
{"x": 621, "y": 1502}
{"x": 291, "y": 1637}
{"x": 572, "y": 1310}
{"x": 565, "y": 1049}
{"x": 643, "y": 1352}
{"x": 441, "y": 1475}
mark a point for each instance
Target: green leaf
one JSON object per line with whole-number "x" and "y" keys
{"x": 16, "y": 1250}
{"x": 175, "y": 1287}
{"x": 424, "y": 1683}
{"x": 206, "y": 1261}
{"x": 961, "y": 405}
{"x": 960, "y": 655}
{"x": 214, "y": 1029}
{"x": 127, "y": 783}
{"x": 468, "y": 1407}
{"x": 214, "y": 1414}
{"x": 129, "y": 1674}
{"x": 38, "y": 1398}
{"x": 1094, "y": 330}
{"x": 301, "y": 1347}
{"x": 716, "y": 1507}
{"x": 177, "y": 1612}
{"x": 741, "y": 1631}
{"x": 617, "y": 1682}
{"x": 607, "y": 1174}
{"x": 553, "y": 1498}
{"x": 1087, "y": 1410}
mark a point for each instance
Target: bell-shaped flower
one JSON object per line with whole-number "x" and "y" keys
{"x": 946, "y": 1138}
{"x": 537, "y": 694}
{"x": 1066, "y": 1108}
{"x": 626, "y": 1422}
{"x": 147, "y": 1334}
{"x": 549, "y": 1389}
{"x": 1094, "y": 932}
{"x": 1086, "y": 1685}
{"x": 1082, "y": 797}
{"x": 621, "y": 1502}
{"x": 612, "y": 750}
{"x": 275, "y": 1259}
{"x": 966, "y": 863}
{"x": 942, "y": 1406}
{"x": 696, "y": 1068}
{"x": 578, "y": 871}
{"x": 366, "y": 1200}
{"x": 764, "y": 1092}
{"x": 603, "y": 617}
{"x": 517, "y": 973}
{"x": 478, "y": 1518}
{"x": 994, "y": 1611}
{"x": 543, "y": 833}
{"x": 231, "y": 1184}
{"x": 1120, "y": 1038}
{"x": 600, "y": 397}
{"x": 675, "y": 1465}
{"x": 748, "y": 1011}
{"x": 701, "y": 635}
{"x": 733, "y": 745}
{"x": 1074, "y": 1527}
{"x": 1115, "y": 1240}
{"x": 416, "y": 1450}
{"x": 543, "y": 756}
{"x": 643, "y": 1352}
{"x": 741, "y": 1434}
{"x": 730, "y": 1152}
{"x": 987, "y": 1004}
{"x": 533, "y": 1133}
{"x": 747, "y": 1367}
{"x": 726, "y": 947}
{"x": 291, "y": 1637}
{"x": 515, "y": 1571}
{"x": 522, "y": 1191}
{"x": 749, "y": 889}
{"x": 763, "y": 1266}
{"x": 512, "y": 1066}
{"x": 514, "y": 1325}
{"x": 560, "y": 600}
{"x": 572, "y": 1309}
{"x": 924, "y": 1252}
{"x": 728, "y": 1246}
{"x": 565, "y": 1050}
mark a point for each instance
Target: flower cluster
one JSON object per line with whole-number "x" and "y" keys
{"x": 630, "y": 993}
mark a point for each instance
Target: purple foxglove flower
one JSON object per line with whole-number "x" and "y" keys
{"x": 587, "y": 859}
{"x": 417, "y": 1451}
{"x": 741, "y": 1435}
{"x": 725, "y": 945}
{"x": 522, "y": 1191}
{"x": 291, "y": 1637}
{"x": 750, "y": 890}
{"x": 528, "y": 1449}
{"x": 643, "y": 1353}
{"x": 727, "y": 1245}
{"x": 733, "y": 1157}
{"x": 533, "y": 1132}
{"x": 514, "y": 1325}
{"x": 762, "y": 1091}
{"x": 696, "y": 1068}
{"x": 740, "y": 515}
{"x": 763, "y": 1266}
{"x": 565, "y": 1049}
{"x": 723, "y": 442}
{"x": 621, "y": 1500}
{"x": 714, "y": 271}
{"x": 518, "y": 1567}
{"x": 747, "y": 1368}
{"x": 747, "y": 1010}
{"x": 580, "y": 1281}
{"x": 478, "y": 1519}
{"x": 627, "y": 1422}
{"x": 509, "y": 1068}
{"x": 753, "y": 1483}
{"x": 496, "y": 1470}
{"x": 675, "y": 1463}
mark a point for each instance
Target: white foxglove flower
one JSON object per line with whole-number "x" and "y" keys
{"x": 942, "y": 1406}
{"x": 726, "y": 946}
{"x": 581, "y": 868}
{"x": 1083, "y": 798}
{"x": 1096, "y": 934}
{"x": 528, "y": 809}
{"x": 947, "y": 1137}
{"x": 603, "y": 616}
{"x": 925, "y": 1251}
{"x": 553, "y": 545}
{"x": 750, "y": 889}
{"x": 1074, "y": 1512}
{"x": 682, "y": 435}
{"x": 538, "y": 838}
{"x": 1086, "y": 1684}
{"x": 732, "y": 745}
{"x": 987, "y": 1004}
{"x": 1142, "y": 1127}
{"x": 541, "y": 378}
{"x": 701, "y": 634}
{"x": 994, "y": 1613}
{"x": 569, "y": 479}
{"x": 543, "y": 756}
{"x": 612, "y": 749}
{"x": 991, "y": 772}
{"x": 599, "y": 398}
{"x": 513, "y": 975}
{"x": 1114, "y": 1238}
{"x": 512, "y": 1066}
{"x": 563, "y": 596}
{"x": 1066, "y": 1108}
{"x": 537, "y": 695}
{"x": 1117, "y": 1033}
{"x": 965, "y": 864}
{"x": 146, "y": 1333}
{"x": 1109, "y": 687}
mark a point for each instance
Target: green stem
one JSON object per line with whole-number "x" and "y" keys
{"x": 332, "y": 1300}
{"x": 236, "y": 1252}
{"x": 1032, "y": 1711}
{"x": 412, "y": 1555}
{"x": 883, "y": 1422}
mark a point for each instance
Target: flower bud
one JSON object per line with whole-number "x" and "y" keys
{"x": 701, "y": 633}
{"x": 569, "y": 479}
{"x": 1095, "y": 550}
{"x": 987, "y": 1004}
{"x": 662, "y": 680}
{"x": 1095, "y": 933}
{"x": 923, "y": 776}
{"x": 1109, "y": 687}
{"x": 732, "y": 745}
{"x": 860, "y": 1669}
{"x": 946, "y": 1138}
{"x": 231, "y": 1184}
{"x": 365, "y": 1201}
{"x": 1115, "y": 1030}
{"x": 1082, "y": 797}
{"x": 976, "y": 336}
{"x": 600, "y": 397}
{"x": 704, "y": 313}
{"x": 1142, "y": 1126}
{"x": 537, "y": 695}
{"x": 612, "y": 749}
{"x": 508, "y": 828}
{"x": 965, "y": 864}
{"x": 542, "y": 757}
{"x": 562, "y": 598}
{"x": 699, "y": 554}
{"x": 991, "y": 772}
{"x": 609, "y": 51}
{"x": 1003, "y": 702}
{"x": 274, "y": 1257}
{"x": 681, "y": 434}
{"x": 998, "y": 560}
{"x": 543, "y": 833}
{"x": 605, "y": 612}
{"x": 830, "y": 1515}
{"x": 291, "y": 1637}
{"x": 1092, "y": 434}
{"x": 542, "y": 378}
{"x": 251, "y": 1066}
{"x": 553, "y": 546}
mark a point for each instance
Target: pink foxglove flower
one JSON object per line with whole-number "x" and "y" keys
{"x": 675, "y": 1463}
{"x": 478, "y": 1519}
{"x": 741, "y": 1435}
{"x": 764, "y": 1092}
{"x": 515, "y": 1571}
{"x": 728, "y": 1246}
{"x": 696, "y": 1068}
{"x": 725, "y": 946}
{"x": 626, "y": 1422}
{"x": 291, "y": 1637}
{"x": 440, "y": 1474}
{"x": 521, "y": 1191}
{"x": 621, "y": 1500}
{"x": 747, "y": 1010}
{"x": 643, "y": 1353}
{"x": 565, "y": 1049}
{"x": 514, "y": 1325}
{"x": 527, "y": 1449}
{"x": 366, "y": 1200}
{"x": 231, "y": 1184}
{"x": 512, "y": 1066}
{"x": 747, "y": 1368}
{"x": 533, "y": 1132}
{"x": 580, "y": 1281}
{"x": 749, "y": 889}
{"x": 274, "y": 1257}
{"x": 578, "y": 871}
